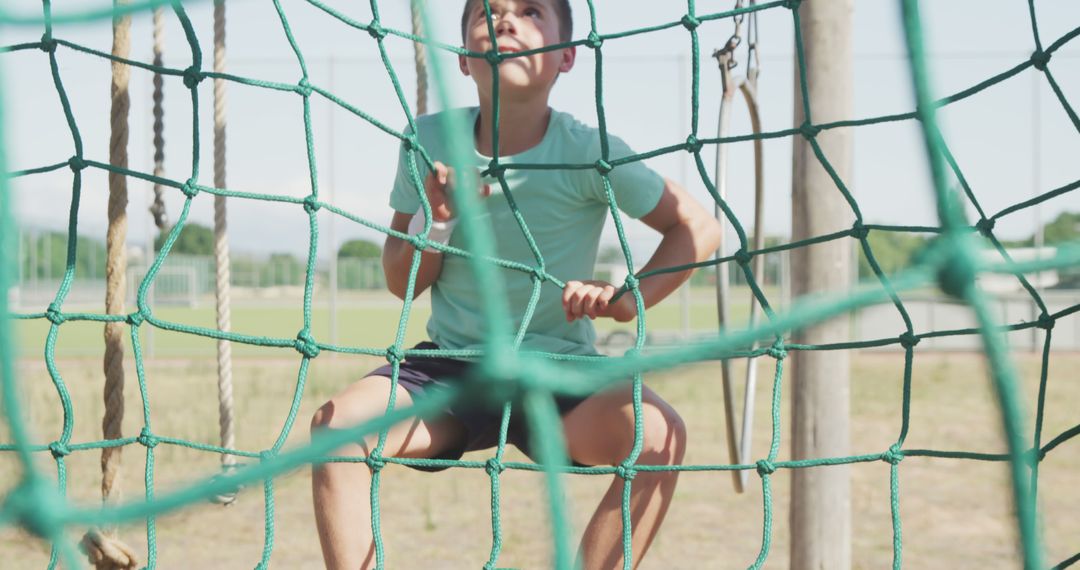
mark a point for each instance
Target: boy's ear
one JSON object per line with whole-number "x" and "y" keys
{"x": 463, "y": 64}
{"x": 569, "y": 56}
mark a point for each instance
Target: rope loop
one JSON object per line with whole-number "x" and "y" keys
{"x": 594, "y": 40}
{"x": 374, "y": 463}
{"x": 1046, "y": 322}
{"x": 135, "y": 319}
{"x": 147, "y": 439}
{"x": 859, "y": 231}
{"x": 54, "y": 315}
{"x": 59, "y": 450}
{"x": 985, "y": 226}
{"x": 312, "y": 204}
{"x": 303, "y": 87}
{"x": 742, "y": 257}
{"x": 765, "y": 467}
{"x": 76, "y": 163}
{"x": 894, "y": 455}
{"x": 306, "y": 345}
{"x": 809, "y": 130}
{"x": 626, "y": 471}
{"x": 376, "y": 30}
{"x": 394, "y": 354}
{"x": 603, "y": 166}
{"x": 693, "y": 145}
{"x": 192, "y": 77}
{"x": 777, "y": 350}
{"x": 909, "y": 340}
{"x": 690, "y": 22}
{"x": 1039, "y": 59}
{"x": 190, "y": 188}
{"x": 493, "y": 466}
{"x": 48, "y": 43}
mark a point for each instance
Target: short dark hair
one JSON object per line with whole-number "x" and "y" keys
{"x": 566, "y": 19}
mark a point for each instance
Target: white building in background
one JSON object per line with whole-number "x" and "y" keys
{"x": 1003, "y": 283}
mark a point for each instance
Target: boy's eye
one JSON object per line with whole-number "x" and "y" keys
{"x": 532, "y": 12}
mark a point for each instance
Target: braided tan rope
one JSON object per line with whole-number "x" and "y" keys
{"x": 161, "y": 219}
{"x": 420, "y": 56}
{"x": 104, "y": 549}
{"x": 221, "y": 253}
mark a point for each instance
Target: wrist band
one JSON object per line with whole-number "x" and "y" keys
{"x": 440, "y": 231}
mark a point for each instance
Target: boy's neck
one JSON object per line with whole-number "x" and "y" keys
{"x": 523, "y": 125}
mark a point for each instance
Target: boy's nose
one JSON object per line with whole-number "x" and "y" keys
{"x": 506, "y": 25}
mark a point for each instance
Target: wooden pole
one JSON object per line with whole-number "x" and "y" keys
{"x": 821, "y": 496}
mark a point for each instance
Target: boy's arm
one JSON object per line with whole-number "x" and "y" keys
{"x": 690, "y": 235}
{"x": 397, "y": 261}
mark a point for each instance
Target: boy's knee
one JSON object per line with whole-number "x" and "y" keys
{"x": 664, "y": 436}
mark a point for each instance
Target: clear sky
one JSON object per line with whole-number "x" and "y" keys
{"x": 1012, "y": 141}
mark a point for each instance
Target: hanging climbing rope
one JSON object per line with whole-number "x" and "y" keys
{"x": 739, "y": 442}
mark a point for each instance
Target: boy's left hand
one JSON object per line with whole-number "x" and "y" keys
{"x": 593, "y": 299}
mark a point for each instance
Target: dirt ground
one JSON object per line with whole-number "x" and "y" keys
{"x": 955, "y": 513}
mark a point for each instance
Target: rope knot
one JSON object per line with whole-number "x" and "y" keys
{"x": 76, "y": 163}
{"x": 777, "y": 350}
{"x": 409, "y": 143}
{"x": 374, "y": 463}
{"x": 792, "y": 4}
{"x": 603, "y": 166}
{"x": 626, "y": 472}
{"x": 190, "y": 188}
{"x": 908, "y": 340}
{"x": 48, "y": 43}
{"x": 492, "y": 57}
{"x": 742, "y": 257}
{"x": 809, "y": 130}
{"x": 303, "y": 87}
{"x": 631, "y": 282}
{"x": 394, "y": 354}
{"x": 690, "y": 22}
{"x": 54, "y": 315}
{"x": 859, "y": 231}
{"x": 494, "y": 169}
{"x": 1039, "y": 59}
{"x": 765, "y": 467}
{"x": 59, "y": 450}
{"x": 376, "y": 30}
{"x": 36, "y": 506}
{"x": 1045, "y": 322}
{"x": 306, "y": 345}
{"x": 494, "y": 466}
{"x": 539, "y": 274}
{"x": 594, "y": 40}
{"x": 894, "y": 455}
{"x": 985, "y": 226}
{"x": 632, "y": 353}
{"x": 192, "y": 77}
{"x": 135, "y": 319}
{"x": 957, "y": 274}
{"x": 693, "y": 144}
{"x": 147, "y": 439}
{"x": 312, "y": 204}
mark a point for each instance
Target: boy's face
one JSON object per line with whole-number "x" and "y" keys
{"x": 520, "y": 25}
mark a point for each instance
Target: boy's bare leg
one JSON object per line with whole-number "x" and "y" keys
{"x": 342, "y": 491}
{"x": 600, "y": 431}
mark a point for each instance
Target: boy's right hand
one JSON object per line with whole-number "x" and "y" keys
{"x": 438, "y": 185}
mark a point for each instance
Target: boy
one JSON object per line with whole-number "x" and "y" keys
{"x": 565, "y": 212}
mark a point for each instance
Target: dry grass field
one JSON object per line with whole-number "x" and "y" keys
{"x": 956, "y": 514}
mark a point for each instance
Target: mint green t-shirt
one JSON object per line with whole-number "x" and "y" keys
{"x": 565, "y": 211}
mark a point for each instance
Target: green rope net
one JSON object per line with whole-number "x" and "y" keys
{"x": 952, "y": 263}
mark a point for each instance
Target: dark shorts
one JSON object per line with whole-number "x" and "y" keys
{"x": 418, "y": 375}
